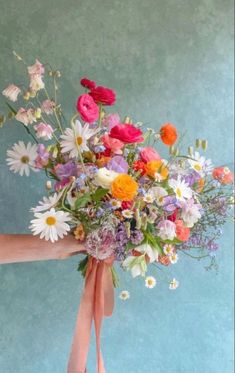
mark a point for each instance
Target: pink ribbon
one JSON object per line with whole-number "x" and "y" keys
{"x": 98, "y": 295}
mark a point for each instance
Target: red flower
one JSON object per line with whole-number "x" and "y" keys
{"x": 139, "y": 166}
{"x": 103, "y": 95}
{"x": 182, "y": 232}
{"x": 87, "y": 108}
{"x": 165, "y": 260}
{"x": 87, "y": 83}
{"x": 173, "y": 216}
{"x": 126, "y": 133}
{"x": 223, "y": 175}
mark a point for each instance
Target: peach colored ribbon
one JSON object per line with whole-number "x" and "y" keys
{"x": 97, "y": 299}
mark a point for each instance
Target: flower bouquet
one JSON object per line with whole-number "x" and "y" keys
{"x": 109, "y": 186}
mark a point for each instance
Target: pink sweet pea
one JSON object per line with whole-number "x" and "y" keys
{"x": 87, "y": 108}
{"x": 149, "y": 154}
{"x": 114, "y": 145}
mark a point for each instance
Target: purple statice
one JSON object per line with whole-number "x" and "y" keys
{"x": 80, "y": 181}
{"x": 136, "y": 237}
{"x": 64, "y": 171}
{"x": 212, "y": 245}
{"x": 121, "y": 239}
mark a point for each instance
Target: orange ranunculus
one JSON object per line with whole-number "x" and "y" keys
{"x": 168, "y": 134}
{"x": 223, "y": 175}
{"x": 156, "y": 168}
{"x": 124, "y": 187}
{"x": 182, "y": 232}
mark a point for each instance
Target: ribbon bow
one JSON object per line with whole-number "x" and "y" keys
{"x": 98, "y": 295}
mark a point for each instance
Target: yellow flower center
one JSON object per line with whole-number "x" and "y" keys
{"x": 150, "y": 282}
{"x": 197, "y": 167}
{"x": 79, "y": 140}
{"x": 25, "y": 159}
{"x": 51, "y": 220}
{"x": 178, "y": 192}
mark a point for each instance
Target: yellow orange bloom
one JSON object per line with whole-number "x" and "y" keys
{"x": 79, "y": 233}
{"x": 200, "y": 185}
{"x": 101, "y": 162}
{"x": 124, "y": 187}
{"x": 156, "y": 167}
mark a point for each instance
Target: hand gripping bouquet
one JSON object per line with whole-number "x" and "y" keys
{"x": 108, "y": 184}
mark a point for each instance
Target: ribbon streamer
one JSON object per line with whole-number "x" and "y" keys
{"x": 98, "y": 295}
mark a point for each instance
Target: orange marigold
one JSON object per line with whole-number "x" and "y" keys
{"x": 153, "y": 168}
{"x": 124, "y": 187}
{"x": 168, "y": 134}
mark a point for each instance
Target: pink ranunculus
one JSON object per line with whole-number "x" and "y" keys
{"x": 87, "y": 83}
{"x": 127, "y": 133}
{"x": 111, "y": 120}
{"x": 114, "y": 145}
{"x": 87, "y": 108}
{"x": 149, "y": 154}
{"x": 103, "y": 95}
{"x": 44, "y": 130}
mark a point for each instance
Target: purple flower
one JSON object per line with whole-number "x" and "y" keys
{"x": 118, "y": 164}
{"x": 170, "y": 204}
{"x": 136, "y": 237}
{"x": 66, "y": 170}
{"x": 42, "y": 152}
{"x": 192, "y": 178}
{"x": 101, "y": 242}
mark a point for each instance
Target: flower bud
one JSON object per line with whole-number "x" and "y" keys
{"x": 190, "y": 150}
{"x": 204, "y": 144}
{"x": 48, "y": 184}
{"x": 198, "y": 143}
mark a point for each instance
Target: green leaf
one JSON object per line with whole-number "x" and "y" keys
{"x": 82, "y": 201}
{"x": 99, "y": 194}
{"x": 153, "y": 241}
{"x": 82, "y": 266}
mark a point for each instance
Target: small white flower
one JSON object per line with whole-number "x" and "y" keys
{"x": 158, "y": 193}
{"x": 166, "y": 230}
{"x": 74, "y": 139}
{"x": 150, "y": 282}
{"x": 104, "y": 177}
{"x": 128, "y": 214}
{"x": 148, "y": 198}
{"x": 11, "y": 92}
{"x": 116, "y": 204}
{"x": 168, "y": 249}
{"x": 47, "y": 202}
{"x": 173, "y": 258}
{"x": 174, "y": 284}
{"x": 124, "y": 295}
{"x": 51, "y": 224}
{"x": 21, "y": 158}
{"x": 181, "y": 189}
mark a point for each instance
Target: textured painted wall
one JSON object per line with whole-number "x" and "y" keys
{"x": 168, "y": 60}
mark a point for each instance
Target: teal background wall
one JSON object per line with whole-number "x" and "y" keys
{"x": 169, "y": 60}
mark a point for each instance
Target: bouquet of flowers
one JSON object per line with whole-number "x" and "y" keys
{"x": 108, "y": 184}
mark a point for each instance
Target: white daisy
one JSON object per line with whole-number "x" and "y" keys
{"x": 128, "y": 214}
{"x": 200, "y": 164}
{"x": 124, "y": 295}
{"x": 47, "y": 202}
{"x": 174, "y": 284}
{"x": 21, "y": 158}
{"x": 168, "y": 249}
{"x": 76, "y": 138}
{"x": 115, "y": 204}
{"x": 150, "y": 282}
{"x": 51, "y": 224}
{"x": 181, "y": 189}
{"x": 148, "y": 198}
{"x": 173, "y": 258}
